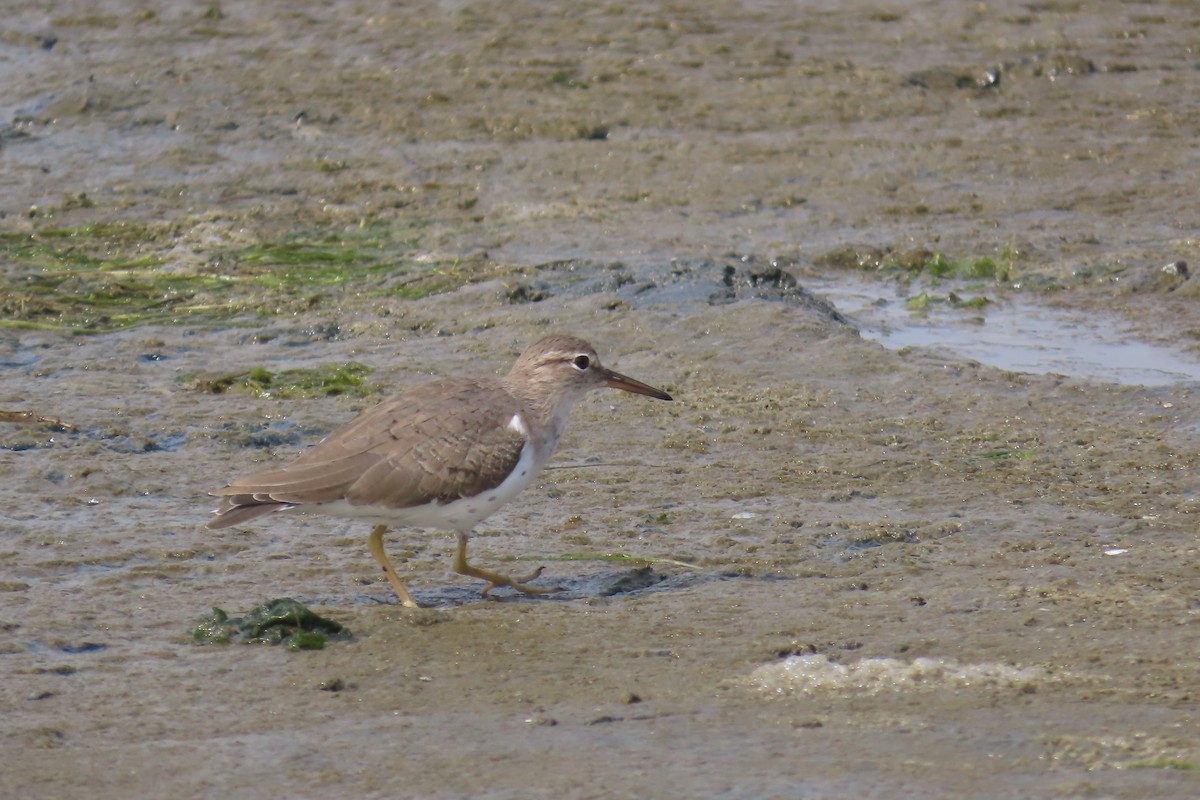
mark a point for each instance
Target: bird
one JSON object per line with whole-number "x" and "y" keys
{"x": 444, "y": 455}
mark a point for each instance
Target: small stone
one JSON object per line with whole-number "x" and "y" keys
{"x": 1178, "y": 269}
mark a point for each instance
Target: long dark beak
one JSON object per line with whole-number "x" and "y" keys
{"x": 616, "y": 380}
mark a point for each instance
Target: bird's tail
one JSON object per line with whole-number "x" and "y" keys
{"x": 233, "y": 512}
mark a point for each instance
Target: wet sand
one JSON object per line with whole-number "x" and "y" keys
{"x": 630, "y": 175}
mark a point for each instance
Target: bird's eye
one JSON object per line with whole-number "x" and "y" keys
{"x": 581, "y": 362}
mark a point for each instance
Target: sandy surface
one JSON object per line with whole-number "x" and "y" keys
{"x": 992, "y": 577}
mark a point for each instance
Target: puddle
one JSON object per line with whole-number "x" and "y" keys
{"x": 1014, "y": 335}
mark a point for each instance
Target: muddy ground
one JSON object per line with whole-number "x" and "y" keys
{"x": 635, "y": 174}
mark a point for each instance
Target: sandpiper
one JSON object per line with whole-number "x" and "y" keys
{"x": 444, "y": 455}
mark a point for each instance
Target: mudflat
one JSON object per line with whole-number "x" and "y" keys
{"x": 827, "y": 568}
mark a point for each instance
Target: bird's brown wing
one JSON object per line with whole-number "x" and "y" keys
{"x": 440, "y": 441}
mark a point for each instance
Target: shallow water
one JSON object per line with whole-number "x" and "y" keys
{"x": 1016, "y": 334}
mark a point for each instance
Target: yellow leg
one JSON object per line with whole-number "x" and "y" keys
{"x": 375, "y": 544}
{"x": 495, "y": 579}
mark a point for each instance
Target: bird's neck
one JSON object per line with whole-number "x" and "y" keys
{"x": 546, "y": 417}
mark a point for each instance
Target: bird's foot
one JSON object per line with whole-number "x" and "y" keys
{"x": 496, "y": 580}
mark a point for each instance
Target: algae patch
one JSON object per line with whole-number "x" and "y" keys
{"x": 920, "y": 261}
{"x": 324, "y": 381}
{"x": 111, "y": 276}
{"x": 279, "y": 621}
{"x": 921, "y": 303}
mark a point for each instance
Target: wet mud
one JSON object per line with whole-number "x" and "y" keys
{"x": 828, "y": 568}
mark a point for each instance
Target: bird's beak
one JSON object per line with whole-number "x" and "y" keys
{"x": 616, "y": 380}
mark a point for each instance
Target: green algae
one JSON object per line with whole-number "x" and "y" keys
{"x": 922, "y": 262}
{"x": 1166, "y": 763}
{"x": 280, "y": 621}
{"x": 326, "y": 380}
{"x": 921, "y": 303}
{"x": 111, "y": 276}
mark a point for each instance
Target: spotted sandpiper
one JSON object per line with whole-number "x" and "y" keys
{"x": 444, "y": 455}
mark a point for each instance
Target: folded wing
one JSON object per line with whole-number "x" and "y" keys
{"x": 438, "y": 442}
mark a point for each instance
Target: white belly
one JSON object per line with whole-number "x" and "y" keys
{"x": 459, "y": 515}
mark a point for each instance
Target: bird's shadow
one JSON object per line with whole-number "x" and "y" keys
{"x": 634, "y": 582}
